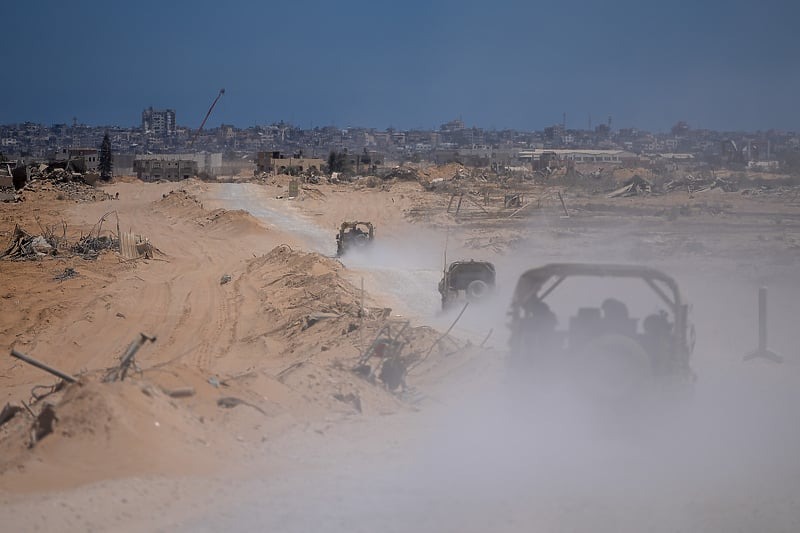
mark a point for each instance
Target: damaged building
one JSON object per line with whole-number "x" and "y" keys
{"x": 276, "y": 162}
{"x": 160, "y": 168}
{"x": 81, "y": 159}
{"x": 174, "y": 167}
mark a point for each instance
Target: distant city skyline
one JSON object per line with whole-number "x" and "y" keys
{"x": 720, "y": 65}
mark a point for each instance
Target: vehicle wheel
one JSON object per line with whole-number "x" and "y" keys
{"x": 477, "y": 289}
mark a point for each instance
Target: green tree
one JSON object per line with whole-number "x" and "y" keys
{"x": 338, "y": 162}
{"x": 105, "y": 164}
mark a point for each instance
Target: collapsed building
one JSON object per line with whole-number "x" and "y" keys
{"x": 174, "y": 167}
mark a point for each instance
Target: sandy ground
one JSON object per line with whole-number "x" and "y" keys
{"x": 300, "y": 453}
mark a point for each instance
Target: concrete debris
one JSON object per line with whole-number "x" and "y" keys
{"x": 6, "y": 176}
{"x": 185, "y": 392}
{"x": 40, "y": 246}
{"x": 61, "y": 178}
{"x": 692, "y": 184}
{"x": 635, "y": 186}
{"x": 24, "y": 246}
{"x": 403, "y": 174}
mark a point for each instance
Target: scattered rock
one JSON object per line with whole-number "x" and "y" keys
{"x": 351, "y": 399}
{"x": 9, "y": 412}
{"x": 68, "y": 273}
{"x": 184, "y": 392}
{"x": 229, "y": 402}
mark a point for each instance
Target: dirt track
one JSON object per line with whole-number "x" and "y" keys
{"x": 313, "y": 462}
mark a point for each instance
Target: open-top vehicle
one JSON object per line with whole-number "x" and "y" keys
{"x": 354, "y": 235}
{"x": 605, "y": 348}
{"x": 472, "y": 279}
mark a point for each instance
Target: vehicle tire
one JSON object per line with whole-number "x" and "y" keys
{"x": 477, "y": 290}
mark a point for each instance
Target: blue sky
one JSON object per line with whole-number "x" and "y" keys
{"x": 717, "y": 64}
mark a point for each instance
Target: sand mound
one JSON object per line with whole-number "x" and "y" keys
{"x": 103, "y": 430}
{"x": 236, "y": 222}
{"x": 180, "y": 201}
{"x": 317, "y": 314}
{"x": 444, "y": 172}
{"x": 183, "y": 203}
{"x": 295, "y": 287}
{"x": 126, "y": 179}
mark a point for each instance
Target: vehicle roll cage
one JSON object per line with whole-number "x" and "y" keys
{"x": 533, "y": 285}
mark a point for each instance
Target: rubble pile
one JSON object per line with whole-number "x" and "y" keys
{"x": 314, "y": 287}
{"x": 307, "y": 300}
{"x": 77, "y": 191}
{"x": 66, "y": 183}
{"x": 402, "y": 174}
{"x": 90, "y": 246}
{"x": 180, "y": 198}
{"x": 7, "y": 191}
{"x": 693, "y": 184}
{"x": 441, "y": 178}
{"x": 24, "y": 246}
{"x": 635, "y": 186}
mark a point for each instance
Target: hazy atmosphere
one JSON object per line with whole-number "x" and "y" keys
{"x": 413, "y": 267}
{"x": 725, "y": 65}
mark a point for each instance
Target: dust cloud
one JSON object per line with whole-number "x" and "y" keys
{"x": 487, "y": 456}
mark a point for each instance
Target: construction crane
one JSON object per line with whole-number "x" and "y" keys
{"x": 210, "y": 109}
